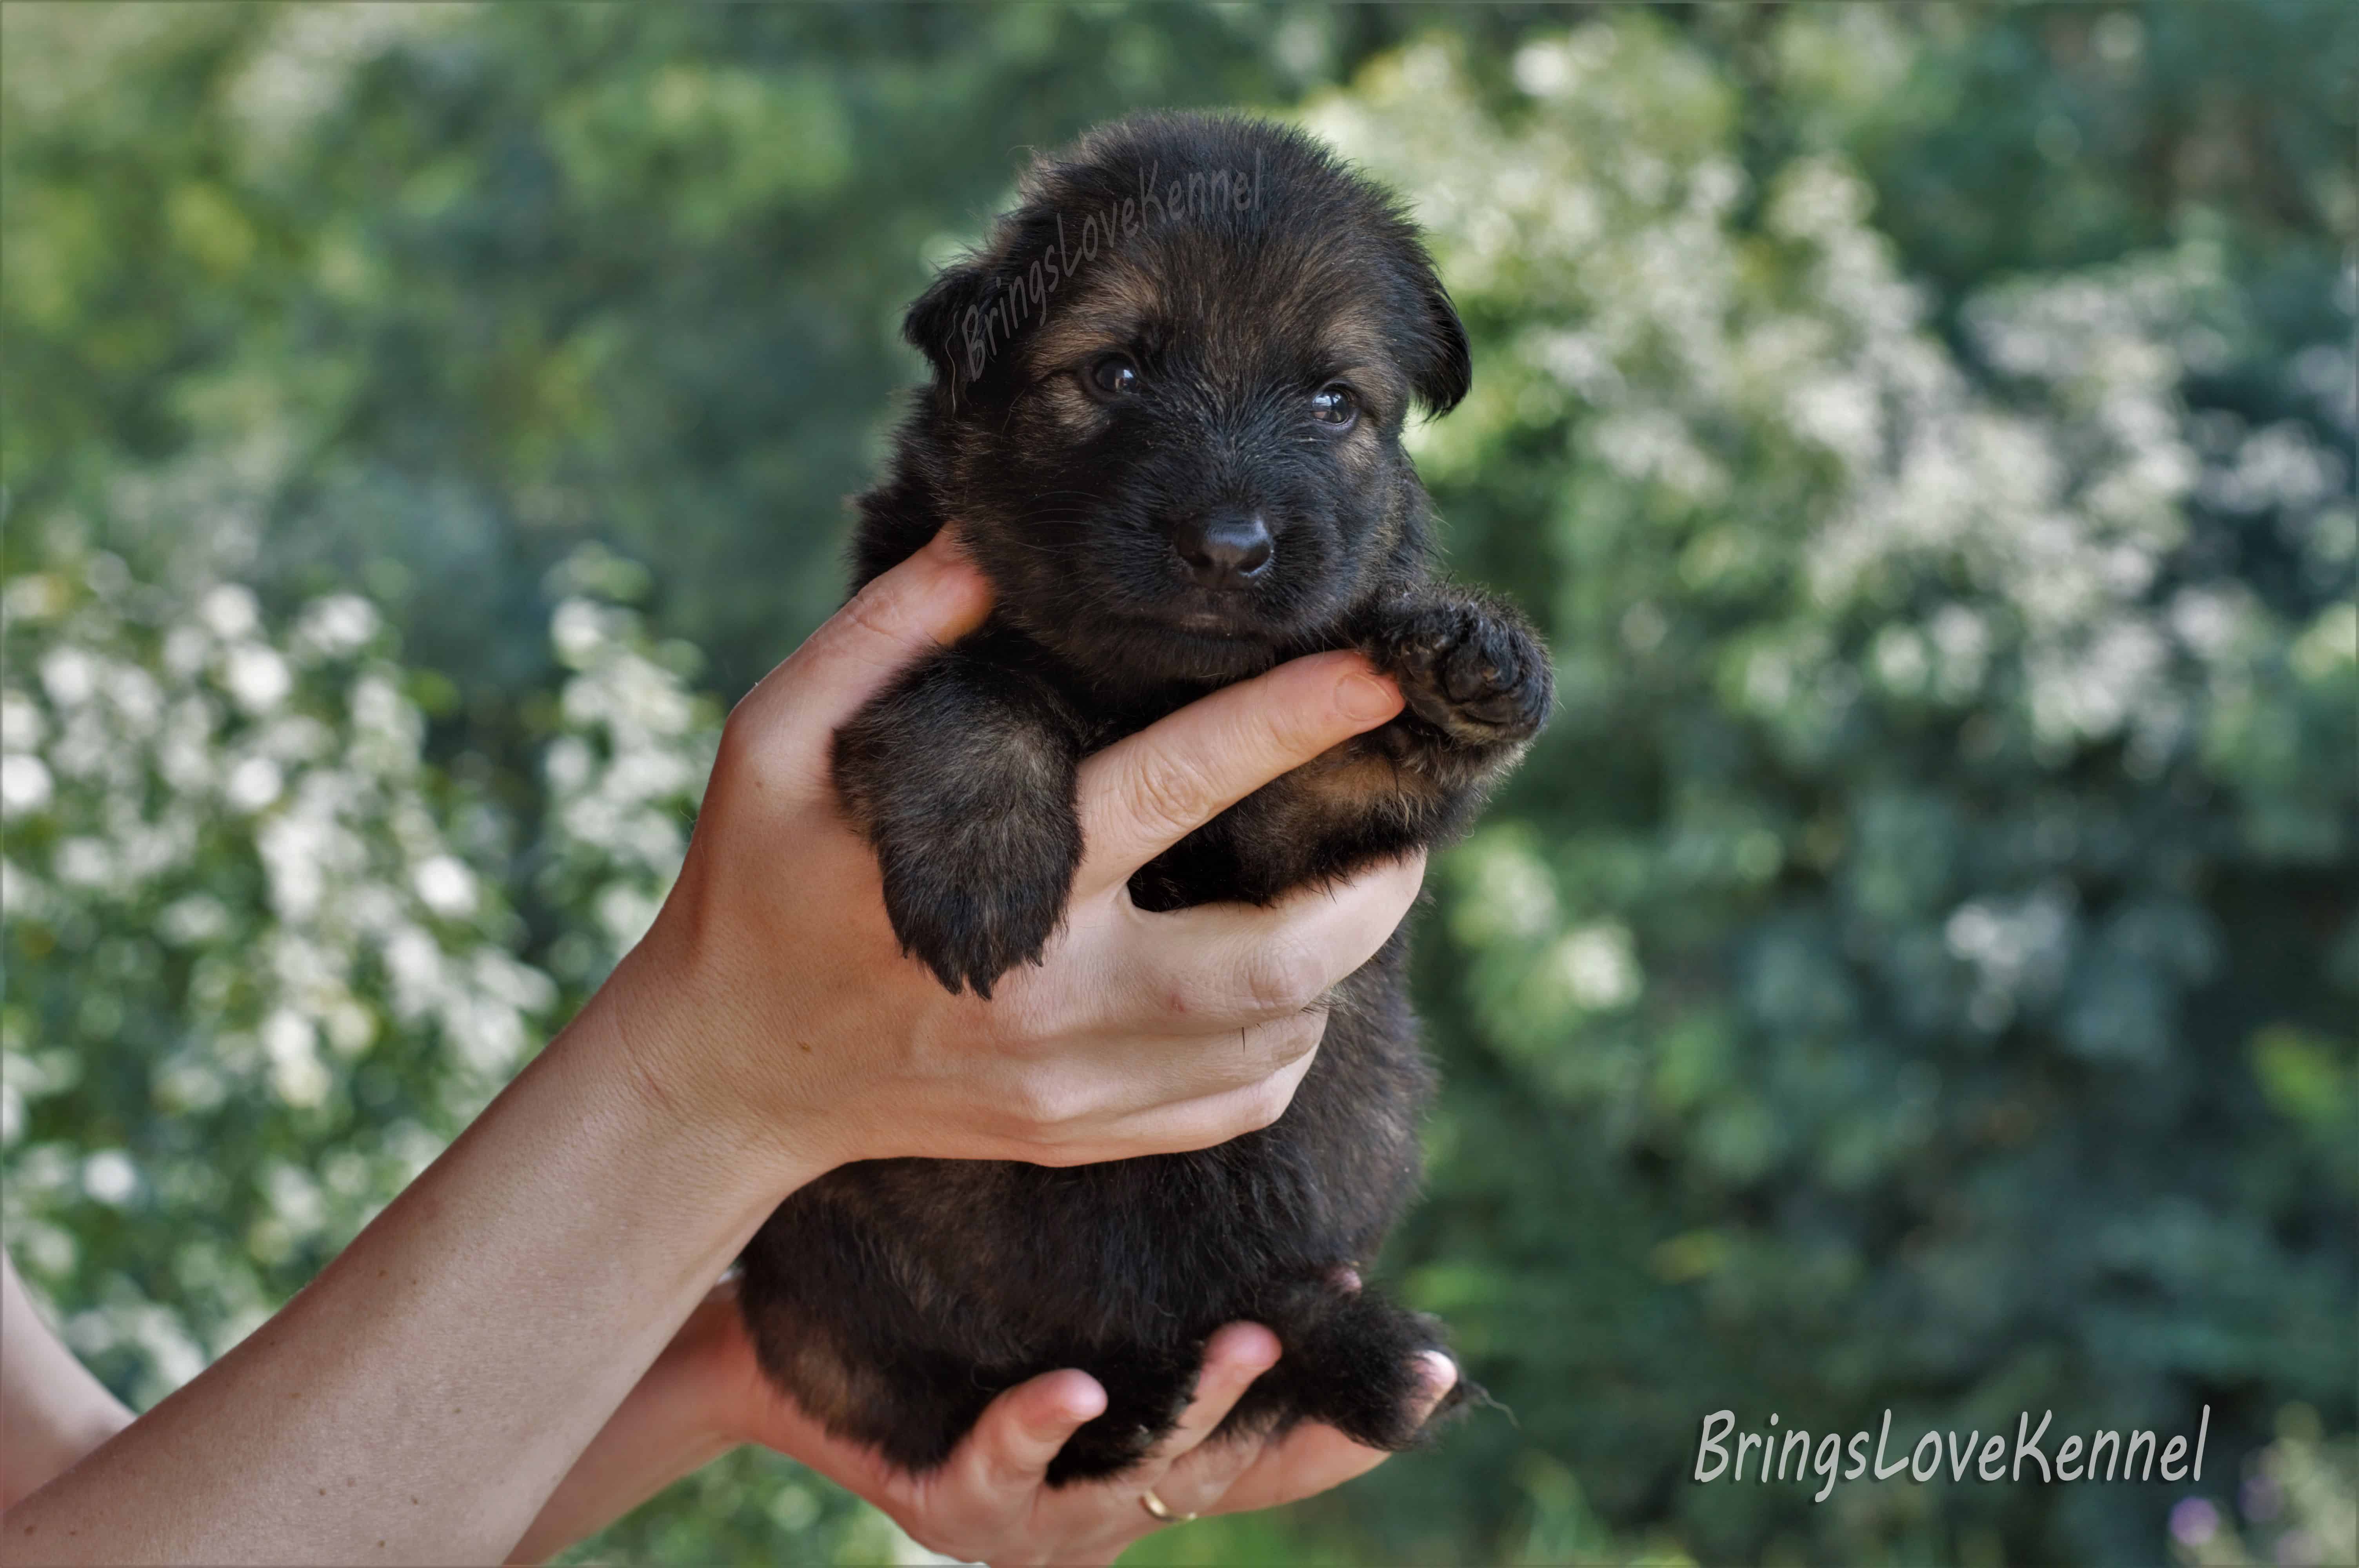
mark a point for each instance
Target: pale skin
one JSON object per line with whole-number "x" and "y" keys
{"x": 528, "y": 1341}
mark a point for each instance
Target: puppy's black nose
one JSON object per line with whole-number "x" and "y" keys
{"x": 1227, "y": 549}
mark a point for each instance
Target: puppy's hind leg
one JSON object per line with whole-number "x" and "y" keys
{"x": 1353, "y": 1360}
{"x": 1146, "y": 1391}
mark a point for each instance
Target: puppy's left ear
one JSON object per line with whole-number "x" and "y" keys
{"x": 936, "y": 324}
{"x": 1441, "y": 365}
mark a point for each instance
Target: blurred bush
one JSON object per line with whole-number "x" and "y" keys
{"x": 1893, "y": 940}
{"x": 2299, "y": 1503}
{"x": 223, "y": 849}
{"x": 1916, "y": 970}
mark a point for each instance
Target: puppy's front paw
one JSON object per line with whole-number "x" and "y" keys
{"x": 1476, "y": 675}
{"x": 961, "y": 774}
{"x": 970, "y": 917}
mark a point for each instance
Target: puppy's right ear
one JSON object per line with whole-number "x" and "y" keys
{"x": 944, "y": 325}
{"x": 1443, "y": 368}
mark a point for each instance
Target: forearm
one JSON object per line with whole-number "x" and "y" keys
{"x": 674, "y": 1421}
{"x": 52, "y": 1411}
{"x": 420, "y": 1399}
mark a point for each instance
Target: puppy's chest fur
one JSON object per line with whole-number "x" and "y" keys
{"x": 894, "y": 1299}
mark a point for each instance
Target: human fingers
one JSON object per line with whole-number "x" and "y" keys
{"x": 1004, "y": 1458}
{"x": 1187, "y": 1471}
{"x": 1176, "y": 1126}
{"x": 1146, "y": 792}
{"x": 1234, "y": 1358}
{"x": 934, "y": 597}
{"x": 1311, "y": 1459}
{"x": 1217, "y": 968}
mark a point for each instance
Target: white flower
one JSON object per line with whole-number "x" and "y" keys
{"x": 580, "y": 630}
{"x": 84, "y": 862}
{"x": 24, "y": 784}
{"x": 295, "y": 1198}
{"x": 340, "y": 624}
{"x": 110, "y": 1177}
{"x": 21, "y": 725}
{"x": 37, "y": 596}
{"x": 256, "y": 677}
{"x": 253, "y": 784}
{"x": 230, "y": 611}
{"x": 293, "y": 1047}
{"x": 1599, "y": 968}
{"x": 186, "y": 647}
{"x": 445, "y": 886}
{"x": 352, "y": 1028}
{"x": 193, "y": 921}
{"x": 70, "y": 675}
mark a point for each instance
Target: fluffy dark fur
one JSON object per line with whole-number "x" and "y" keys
{"x": 1134, "y": 415}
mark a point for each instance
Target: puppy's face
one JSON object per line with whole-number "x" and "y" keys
{"x": 1175, "y": 442}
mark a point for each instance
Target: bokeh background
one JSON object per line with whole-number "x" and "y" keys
{"x": 1916, "y": 969}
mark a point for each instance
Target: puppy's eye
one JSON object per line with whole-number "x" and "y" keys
{"x": 1111, "y": 376}
{"x": 1334, "y": 404}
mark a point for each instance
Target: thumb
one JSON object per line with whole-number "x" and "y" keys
{"x": 1011, "y": 1446}
{"x": 933, "y": 598}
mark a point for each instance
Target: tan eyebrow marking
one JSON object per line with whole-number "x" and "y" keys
{"x": 1109, "y": 302}
{"x": 1353, "y": 340}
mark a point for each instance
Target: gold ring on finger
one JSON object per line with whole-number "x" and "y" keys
{"x": 1157, "y": 1507}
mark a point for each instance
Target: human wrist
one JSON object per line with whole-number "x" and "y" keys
{"x": 676, "y": 1044}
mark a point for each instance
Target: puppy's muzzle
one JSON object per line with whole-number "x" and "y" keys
{"x": 1226, "y": 550}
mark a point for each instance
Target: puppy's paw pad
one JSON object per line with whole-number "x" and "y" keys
{"x": 1476, "y": 679}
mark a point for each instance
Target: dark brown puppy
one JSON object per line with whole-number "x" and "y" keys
{"x": 1166, "y": 408}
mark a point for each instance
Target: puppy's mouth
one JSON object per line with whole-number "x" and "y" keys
{"x": 1222, "y": 622}
{"x": 1194, "y": 613}
{"x": 1195, "y": 642}
{"x": 1144, "y": 621}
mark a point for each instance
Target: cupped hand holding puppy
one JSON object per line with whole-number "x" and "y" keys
{"x": 773, "y": 997}
{"x": 990, "y": 1502}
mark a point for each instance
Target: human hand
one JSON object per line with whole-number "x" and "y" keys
{"x": 772, "y": 1000}
{"x": 990, "y": 1502}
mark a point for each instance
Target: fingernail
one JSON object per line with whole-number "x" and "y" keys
{"x": 1365, "y": 698}
{"x": 1440, "y": 1374}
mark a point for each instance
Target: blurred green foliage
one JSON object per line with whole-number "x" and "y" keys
{"x": 2299, "y": 1503}
{"x": 1916, "y": 971}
